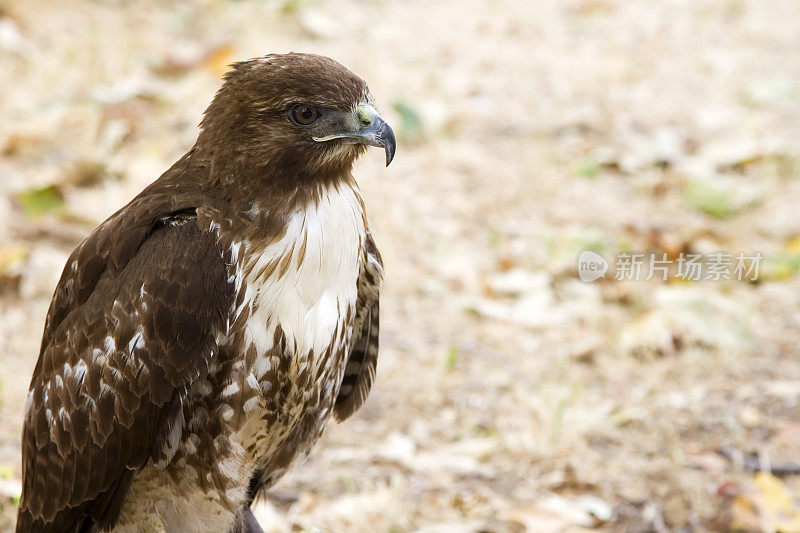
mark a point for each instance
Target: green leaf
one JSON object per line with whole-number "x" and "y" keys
{"x": 290, "y": 7}
{"x": 36, "y": 202}
{"x": 452, "y": 358}
{"x": 710, "y": 198}
{"x": 348, "y": 483}
{"x": 588, "y": 168}
{"x": 495, "y": 238}
{"x": 410, "y": 121}
{"x": 780, "y": 267}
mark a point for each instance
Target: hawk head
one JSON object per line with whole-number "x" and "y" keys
{"x": 296, "y": 115}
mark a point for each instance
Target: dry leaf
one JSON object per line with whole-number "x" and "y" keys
{"x": 218, "y": 60}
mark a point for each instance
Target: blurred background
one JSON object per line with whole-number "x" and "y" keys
{"x": 511, "y": 396}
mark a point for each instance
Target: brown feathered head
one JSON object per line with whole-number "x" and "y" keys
{"x": 296, "y": 116}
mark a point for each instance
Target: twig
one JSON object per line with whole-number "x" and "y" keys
{"x": 753, "y": 463}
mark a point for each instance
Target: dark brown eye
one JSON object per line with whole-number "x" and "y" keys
{"x": 304, "y": 114}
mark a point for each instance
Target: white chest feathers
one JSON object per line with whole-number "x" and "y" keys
{"x": 306, "y": 281}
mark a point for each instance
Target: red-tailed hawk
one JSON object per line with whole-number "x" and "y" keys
{"x": 200, "y": 339}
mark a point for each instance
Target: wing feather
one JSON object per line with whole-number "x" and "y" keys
{"x": 362, "y": 360}
{"x": 131, "y": 326}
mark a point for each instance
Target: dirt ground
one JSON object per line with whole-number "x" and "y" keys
{"x": 511, "y": 396}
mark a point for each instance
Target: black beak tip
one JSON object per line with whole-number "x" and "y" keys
{"x": 389, "y": 143}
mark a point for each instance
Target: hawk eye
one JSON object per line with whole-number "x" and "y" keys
{"x": 303, "y": 114}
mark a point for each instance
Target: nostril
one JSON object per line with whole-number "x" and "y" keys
{"x": 366, "y": 122}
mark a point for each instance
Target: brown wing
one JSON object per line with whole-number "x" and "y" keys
{"x": 127, "y": 333}
{"x": 363, "y": 359}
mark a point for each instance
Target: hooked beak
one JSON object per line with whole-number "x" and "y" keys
{"x": 366, "y": 127}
